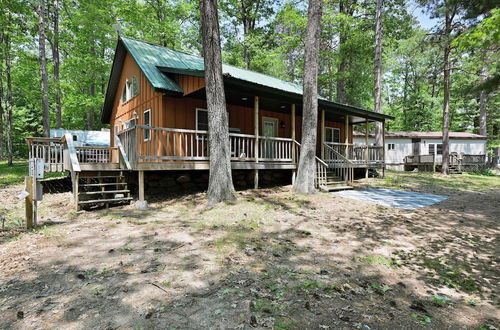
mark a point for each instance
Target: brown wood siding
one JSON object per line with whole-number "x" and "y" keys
{"x": 189, "y": 84}
{"x": 147, "y": 98}
{"x": 181, "y": 113}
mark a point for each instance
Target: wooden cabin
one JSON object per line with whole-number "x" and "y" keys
{"x": 156, "y": 107}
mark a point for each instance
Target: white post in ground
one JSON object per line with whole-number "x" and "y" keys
{"x": 141, "y": 204}
{"x": 322, "y": 133}
{"x": 383, "y": 149}
{"x": 366, "y": 150}
{"x": 294, "y": 156}
{"x": 256, "y": 132}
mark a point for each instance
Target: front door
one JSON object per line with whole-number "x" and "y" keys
{"x": 416, "y": 147}
{"x": 269, "y": 129}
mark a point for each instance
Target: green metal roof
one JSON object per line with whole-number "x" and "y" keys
{"x": 150, "y": 58}
{"x": 155, "y": 61}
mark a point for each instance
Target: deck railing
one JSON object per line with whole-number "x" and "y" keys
{"x": 51, "y": 150}
{"x": 100, "y": 155}
{"x": 359, "y": 154}
{"x": 454, "y": 159}
{"x": 145, "y": 143}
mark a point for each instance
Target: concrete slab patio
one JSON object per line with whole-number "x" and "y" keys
{"x": 407, "y": 200}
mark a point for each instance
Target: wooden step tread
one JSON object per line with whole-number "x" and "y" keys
{"x": 337, "y": 188}
{"x": 104, "y": 192}
{"x": 335, "y": 183}
{"x": 108, "y": 200}
{"x": 101, "y": 184}
{"x": 102, "y": 177}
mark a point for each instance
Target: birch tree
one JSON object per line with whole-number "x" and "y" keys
{"x": 220, "y": 183}
{"x": 304, "y": 182}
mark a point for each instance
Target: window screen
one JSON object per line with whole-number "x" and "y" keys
{"x": 135, "y": 86}
{"x": 439, "y": 148}
{"x": 201, "y": 120}
{"x": 332, "y": 134}
{"x": 431, "y": 148}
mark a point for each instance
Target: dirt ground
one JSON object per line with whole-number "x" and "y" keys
{"x": 272, "y": 260}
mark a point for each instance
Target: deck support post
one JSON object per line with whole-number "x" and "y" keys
{"x": 322, "y": 133}
{"x": 28, "y": 183}
{"x": 294, "y": 155}
{"x": 366, "y": 150}
{"x": 346, "y": 137}
{"x": 141, "y": 203}
{"x": 75, "y": 177}
{"x": 256, "y": 133}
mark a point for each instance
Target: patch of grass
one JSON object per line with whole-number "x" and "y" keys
{"x": 90, "y": 272}
{"x": 422, "y": 319}
{"x": 11, "y": 175}
{"x": 381, "y": 288}
{"x": 473, "y": 301}
{"x": 311, "y": 284}
{"x": 452, "y": 276}
{"x": 262, "y": 305}
{"x": 378, "y": 259}
{"x": 442, "y": 301}
{"x": 428, "y": 181}
{"x": 280, "y": 324}
{"x": 15, "y": 238}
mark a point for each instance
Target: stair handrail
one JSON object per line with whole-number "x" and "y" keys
{"x": 348, "y": 165}
{"x": 72, "y": 157}
{"x": 321, "y": 166}
{"x": 122, "y": 152}
{"x": 342, "y": 157}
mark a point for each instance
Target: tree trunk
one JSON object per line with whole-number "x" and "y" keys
{"x": 55, "y": 58}
{"x": 446, "y": 90}
{"x": 43, "y": 68}
{"x": 220, "y": 183}
{"x": 2, "y": 99}
{"x": 9, "y": 100}
{"x": 304, "y": 183}
{"x": 378, "y": 71}
{"x": 482, "y": 104}
{"x": 340, "y": 94}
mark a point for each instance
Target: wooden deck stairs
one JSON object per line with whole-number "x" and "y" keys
{"x": 106, "y": 188}
{"x": 334, "y": 182}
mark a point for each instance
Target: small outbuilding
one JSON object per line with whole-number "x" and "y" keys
{"x": 423, "y": 150}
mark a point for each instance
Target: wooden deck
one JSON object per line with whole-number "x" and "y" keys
{"x": 457, "y": 162}
{"x": 144, "y": 148}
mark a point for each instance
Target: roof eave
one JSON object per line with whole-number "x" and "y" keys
{"x": 118, "y": 60}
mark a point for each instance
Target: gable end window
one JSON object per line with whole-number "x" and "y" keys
{"x": 130, "y": 89}
{"x": 147, "y": 122}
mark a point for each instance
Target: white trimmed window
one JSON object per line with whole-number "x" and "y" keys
{"x": 201, "y": 119}
{"x": 147, "y": 122}
{"x": 391, "y": 146}
{"x": 332, "y": 134}
{"x": 435, "y": 148}
{"x": 130, "y": 89}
